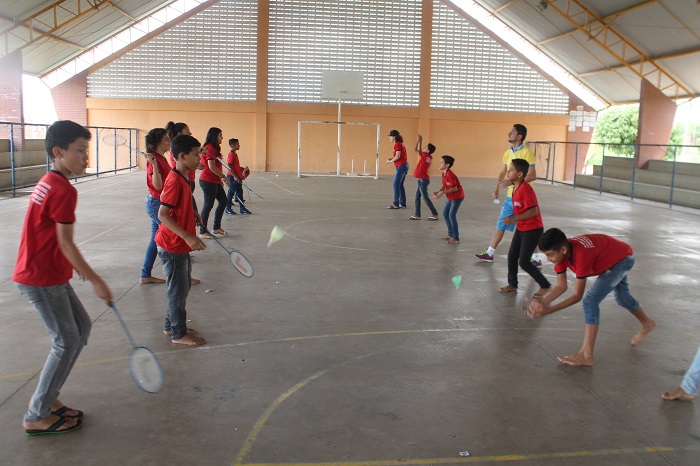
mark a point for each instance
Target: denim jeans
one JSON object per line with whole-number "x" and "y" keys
{"x": 450, "y": 215}
{"x": 177, "y": 269}
{"x": 520, "y": 253}
{"x": 212, "y": 191}
{"x": 422, "y": 191}
{"x": 235, "y": 190}
{"x": 614, "y": 279}
{"x": 69, "y": 326}
{"x": 399, "y": 190}
{"x": 691, "y": 381}
{"x": 152, "y": 206}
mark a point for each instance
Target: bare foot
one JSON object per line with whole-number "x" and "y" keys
{"x": 677, "y": 394}
{"x": 220, "y": 232}
{"x": 190, "y": 340}
{"x": 447, "y": 238}
{"x": 195, "y": 281}
{"x": 539, "y": 294}
{"x": 576, "y": 359}
{"x": 49, "y": 421}
{"x": 507, "y": 289}
{"x": 452, "y": 241}
{"x": 646, "y": 328}
{"x": 191, "y": 331}
{"x": 145, "y": 280}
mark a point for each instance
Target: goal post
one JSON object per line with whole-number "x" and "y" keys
{"x": 361, "y": 163}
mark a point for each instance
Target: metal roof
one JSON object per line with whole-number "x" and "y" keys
{"x": 609, "y": 45}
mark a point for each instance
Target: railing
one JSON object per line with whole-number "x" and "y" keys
{"x": 663, "y": 173}
{"x": 23, "y": 157}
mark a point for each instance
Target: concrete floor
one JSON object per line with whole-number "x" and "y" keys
{"x": 351, "y": 345}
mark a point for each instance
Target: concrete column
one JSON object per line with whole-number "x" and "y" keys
{"x": 575, "y": 158}
{"x": 656, "y": 115}
{"x": 426, "y": 60}
{"x": 11, "y": 87}
{"x": 70, "y": 99}
{"x": 261, "y": 91}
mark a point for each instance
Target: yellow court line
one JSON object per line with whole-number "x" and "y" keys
{"x": 492, "y": 459}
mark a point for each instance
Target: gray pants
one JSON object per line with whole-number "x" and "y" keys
{"x": 178, "y": 277}
{"x": 69, "y": 326}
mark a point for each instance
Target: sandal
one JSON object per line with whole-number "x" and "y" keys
{"x": 452, "y": 241}
{"x": 392, "y": 206}
{"x": 63, "y": 409}
{"x": 433, "y": 217}
{"x": 414, "y": 217}
{"x": 195, "y": 281}
{"x": 507, "y": 289}
{"x": 540, "y": 294}
{"x": 206, "y": 236}
{"x": 54, "y": 428}
{"x": 220, "y": 232}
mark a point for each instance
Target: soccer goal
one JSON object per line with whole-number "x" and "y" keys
{"x": 359, "y": 165}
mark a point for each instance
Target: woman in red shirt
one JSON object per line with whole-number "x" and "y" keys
{"x": 157, "y": 170}
{"x": 210, "y": 180}
{"x": 400, "y": 159}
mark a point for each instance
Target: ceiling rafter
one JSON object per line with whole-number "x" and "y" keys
{"x": 657, "y": 57}
{"x": 30, "y": 30}
{"x": 605, "y": 35}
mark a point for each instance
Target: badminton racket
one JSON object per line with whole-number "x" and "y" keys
{"x": 144, "y": 366}
{"x": 238, "y": 260}
{"x": 118, "y": 138}
{"x": 228, "y": 167}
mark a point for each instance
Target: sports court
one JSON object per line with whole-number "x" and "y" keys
{"x": 350, "y": 344}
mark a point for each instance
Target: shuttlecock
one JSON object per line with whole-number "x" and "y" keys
{"x": 276, "y": 235}
{"x": 456, "y": 281}
{"x": 496, "y": 201}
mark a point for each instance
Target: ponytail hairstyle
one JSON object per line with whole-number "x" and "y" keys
{"x": 174, "y": 129}
{"x": 153, "y": 138}
{"x": 398, "y": 138}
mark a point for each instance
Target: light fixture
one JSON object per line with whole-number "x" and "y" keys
{"x": 543, "y": 5}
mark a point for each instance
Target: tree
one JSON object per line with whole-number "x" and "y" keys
{"x": 618, "y": 125}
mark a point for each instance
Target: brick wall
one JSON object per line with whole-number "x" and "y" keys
{"x": 656, "y": 115}
{"x": 70, "y": 99}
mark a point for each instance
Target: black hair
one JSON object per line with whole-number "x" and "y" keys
{"x": 62, "y": 134}
{"x": 552, "y": 240}
{"x": 521, "y": 130}
{"x": 431, "y": 148}
{"x": 398, "y": 138}
{"x": 175, "y": 128}
{"x": 183, "y": 143}
{"x": 449, "y": 160}
{"x": 154, "y": 137}
{"x": 213, "y": 138}
{"x": 232, "y": 141}
{"x": 521, "y": 166}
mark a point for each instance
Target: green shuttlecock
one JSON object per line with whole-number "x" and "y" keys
{"x": 276, "y": 235}
{"x": 457, "y": 280}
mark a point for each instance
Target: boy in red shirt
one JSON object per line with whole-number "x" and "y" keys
{"x": 421, "y": 173}
{"x": 455, "y": 195}
{"x": 45, "y": 262}
{"x": 235, "y": 177}
{"x": 528, "y": 229}
{"x": 176, "y": 237}
{"x": 587, "y": 256}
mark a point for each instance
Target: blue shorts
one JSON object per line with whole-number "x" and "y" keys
{"x": 506, "y": 211}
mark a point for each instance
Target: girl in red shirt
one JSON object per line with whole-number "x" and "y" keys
{"x": 400, "y": 160}
{"x": 157, "y": 170}
{"x": 210, "y": 180}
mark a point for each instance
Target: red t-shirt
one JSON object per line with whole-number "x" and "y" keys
{"x": 40, "y": 262}
{"x": 163, "y": 168}
{"x": 449, "y": 179}
{"x": 423, "y": 166}
{"x": 173, "y": 165}
{"x": 210, "y": 153}
{"x": 178, "y": 196}
{"x": 403, "y": 158}
{"x": 235, "y": 165}
{"x": 524, "y": 199}
{"x": 593, "y": 254}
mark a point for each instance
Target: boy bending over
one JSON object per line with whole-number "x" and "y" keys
{"x": 589, "y": 255}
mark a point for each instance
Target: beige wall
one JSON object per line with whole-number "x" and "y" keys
{"x": 476, "y": 139}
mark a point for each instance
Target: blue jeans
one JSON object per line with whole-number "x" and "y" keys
{"x": 234, "y": 190}
{"x": 152, "y": 206}
{"x": 422, "y": 191}
{"x": 450, "y": 215}
{"x": 399, "y": 190}
{"x": 691, "y": 381}
{"x": 69, "y": 326}
{"x": 614, "y": 279}
{"x": 211, "y": 192}
{"x": 178, "y": 270}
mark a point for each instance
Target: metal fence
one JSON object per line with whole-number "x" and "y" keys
{"x": 23, "y": 157}
{"x": 662, "y": 173}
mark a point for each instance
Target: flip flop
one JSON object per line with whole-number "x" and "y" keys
{"x": 507, "y": 289}
{"x": 393, "y": 207}
{"x": 63, "y": 409}
{"x": 195, "y": 281}
{"x": 56, "y": 425}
